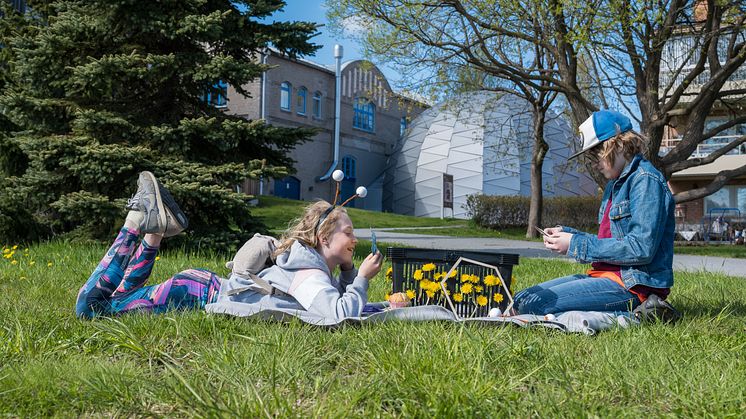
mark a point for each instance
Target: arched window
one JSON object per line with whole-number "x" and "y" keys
{"x": 364, "y": 117}
{"x": 349, "y": 167}
{"x": 217, "y": 95}
{"x": 316, "y": 107}
{"x": 300, "y": 104}
{"x": 285, "y": 89}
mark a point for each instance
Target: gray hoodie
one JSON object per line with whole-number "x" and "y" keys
{"x": 313, "y": 293}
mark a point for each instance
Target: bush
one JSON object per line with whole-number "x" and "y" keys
{"x": 498, "y": 212}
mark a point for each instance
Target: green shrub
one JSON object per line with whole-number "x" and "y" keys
{"x": 498, "y": 212}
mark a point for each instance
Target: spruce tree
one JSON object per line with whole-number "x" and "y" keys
{"x": 104, "y": 89}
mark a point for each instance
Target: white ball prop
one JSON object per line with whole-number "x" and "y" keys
{"x": 494, "y": 312}
{"x": 361, "y": 191}
{"x": 338, "y": 175}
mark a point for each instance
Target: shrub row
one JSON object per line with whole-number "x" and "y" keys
{"x": 497, "y": 212}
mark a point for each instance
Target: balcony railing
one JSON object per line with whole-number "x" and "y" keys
{"x": 708, "y": 147}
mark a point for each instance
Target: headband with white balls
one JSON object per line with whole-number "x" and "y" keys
{"x": 360, "y": 192}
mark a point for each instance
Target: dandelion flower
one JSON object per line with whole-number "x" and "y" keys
{"x": 14, "y": 262}
{"x": 418, "y": 275}
{"x": 478, "y": 288}
{"x": 475, "y": 279}
{"x": 453, "y": 273}
{"x": 389, "y": 273}
{"x": 465, "y": 277}
{"x": 14, "y": 247}
{"x": 430, "y": 293}
{"x": 498, "y": 298}
{"x": 481, "y": 300}
{"x": 387, "y": 296}
{"x": 438, "y": 276}
{"x": 157, "y": 258}
{"x": 410, "y": 294}
{"x": 428, "y": 267}
{"x": 458, "y": 297}
{"x": 49, "y": 264}
{"x": 490, "y": 280}
{"x": 466, "y": 288}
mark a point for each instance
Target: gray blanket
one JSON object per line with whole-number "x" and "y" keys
{"x": 586, "y": 322}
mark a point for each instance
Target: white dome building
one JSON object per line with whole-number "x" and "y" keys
{"x": 484, "y": 140}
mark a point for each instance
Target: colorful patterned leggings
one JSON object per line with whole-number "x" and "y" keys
{"x": 116, "y": 286}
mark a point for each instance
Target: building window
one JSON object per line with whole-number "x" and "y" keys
{"x": 217, "y": 95}
{"x": 300, "y": 104}
{"x": 285, "y": 89}
{"x": 402, "y": 126}
{"x": 731, "y": 196}
{"x": 316, "y": 107}
{"x": 364, "y": 117}
{"x": 349, "y": 167}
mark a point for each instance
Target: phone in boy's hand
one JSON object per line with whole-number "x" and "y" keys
{"x": 542, "y": 231}
{"x": 373, "y": 247}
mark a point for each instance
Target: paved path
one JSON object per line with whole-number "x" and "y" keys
{"x": 729, "y": 266}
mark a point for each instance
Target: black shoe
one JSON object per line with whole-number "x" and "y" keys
{"x": 655, "y": 309}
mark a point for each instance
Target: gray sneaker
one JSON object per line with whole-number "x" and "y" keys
{"x": 148, "y": 200}
{"x": 176, "y": 220}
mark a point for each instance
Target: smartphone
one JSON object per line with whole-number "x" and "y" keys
{"x": 373, "y": 247}
{"x": 542, "y": 231}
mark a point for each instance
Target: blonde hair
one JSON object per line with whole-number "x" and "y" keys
{"x": 310, "y": 226}
{"x": 630, "y": 143}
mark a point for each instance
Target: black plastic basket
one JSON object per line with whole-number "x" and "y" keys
{"x": 406, "y": 261}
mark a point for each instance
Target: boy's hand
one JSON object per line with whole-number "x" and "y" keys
{"x": 371, "y": 265}
{"x": 558, "y": 242}
{"x": 553, "y": 230}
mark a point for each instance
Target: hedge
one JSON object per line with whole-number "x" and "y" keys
{"x": 498, "y": 212}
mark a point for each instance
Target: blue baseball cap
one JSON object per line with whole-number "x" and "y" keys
{"x": 601, "y": 126}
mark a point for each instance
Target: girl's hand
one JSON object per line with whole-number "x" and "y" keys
{"x": 552, "y": 231}
{"x": 371, "y": 265}
{"x": 558, "y": 242}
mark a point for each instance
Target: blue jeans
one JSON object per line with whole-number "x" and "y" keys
{"x": 575, "y": 292}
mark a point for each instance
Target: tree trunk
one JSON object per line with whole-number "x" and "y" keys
{"x": 537, "y": 163}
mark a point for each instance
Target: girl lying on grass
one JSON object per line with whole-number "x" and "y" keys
{"x": 322, "y": 240}
{"x": 632, "y": 254}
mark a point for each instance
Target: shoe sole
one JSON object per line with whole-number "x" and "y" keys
{"x": 158, "y": 198}
{"x": 170, "y": 202}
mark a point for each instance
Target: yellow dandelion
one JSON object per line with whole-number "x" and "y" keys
{"x": 498, "y": 298}
{"x": 475, "y": 279}
{"x": 49, "y": 264}
{"x": 8, "y": 255}
{"x": 453, "y": 273}
{"x": 438, "y": 276}
{"x": 465, "y": 277}
{"x": 490, "y": 280}
{"x": 5, "y": 250}
{"x": 14, "y": 247}
{"x": 482, "y": 300}
{"x": 466, "y": 288}
{"x": 389, "y": 273}
{"x": 478, "y": 288}
{"x": 428, "y": 267}
{"x": 157, "y": 258}
{"x": 410, "y": 294}
{"x": 14, "y": 262}
{"x": 418, "y": 275}
{"x": 430, "y": 293}
{"x": 458, "y": 297}
{"x": 387, "y": 296}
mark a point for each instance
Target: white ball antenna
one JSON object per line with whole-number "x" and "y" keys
{"x": 361, "y": 191}
{"x": 338, "y": 175}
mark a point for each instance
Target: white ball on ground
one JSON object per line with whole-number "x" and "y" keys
{"x": 338, "y": 175}
{"x": 361, "y": 191}
{"x": 549, "y": 317}
{"x": 494, "y": 312}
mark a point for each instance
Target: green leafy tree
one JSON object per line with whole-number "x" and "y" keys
{"x": 105, "y": 89}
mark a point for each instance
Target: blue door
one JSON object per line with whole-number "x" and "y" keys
{"x": 349, "y": 167}
{"x": 287, "y": 187}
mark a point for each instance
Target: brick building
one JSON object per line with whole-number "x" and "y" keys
{"x": 301, "y": 93}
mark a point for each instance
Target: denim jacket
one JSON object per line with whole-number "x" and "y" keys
{"x": 642, "y": 228}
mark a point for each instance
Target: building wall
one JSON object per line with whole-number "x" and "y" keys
{"x": 314, "y": 158}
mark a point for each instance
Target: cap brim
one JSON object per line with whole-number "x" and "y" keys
{"x": 585, "y": 150}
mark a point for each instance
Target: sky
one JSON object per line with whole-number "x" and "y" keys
{"x": 315, "y": 11}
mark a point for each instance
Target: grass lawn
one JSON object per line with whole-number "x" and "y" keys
{"x": 193, "y": 364}
{"x": 722, "y": 250}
